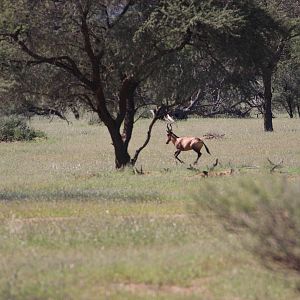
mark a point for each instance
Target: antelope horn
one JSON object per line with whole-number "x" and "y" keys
{"x": 169, "y": 119}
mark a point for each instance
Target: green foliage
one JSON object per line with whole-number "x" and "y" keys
{"x": 15, "y": 129}
{"x": 135, "y": 45}
{"x": 63, "y": 53}
{"x": 287, "y": 80}
{"x": 267, "y": 209}
{"x": 287, "y": 87}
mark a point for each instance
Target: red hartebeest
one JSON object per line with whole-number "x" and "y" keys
{"x": 185, "y": 143}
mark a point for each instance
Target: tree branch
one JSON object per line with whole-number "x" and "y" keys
{"x": 186, "y": 39}
{"x": 94, "y": 59}
{"x": 64, "y": 62}
{"x": 127, "y": 90}
{"x": 161, "y": 111}
{"x": 41, "y": 111}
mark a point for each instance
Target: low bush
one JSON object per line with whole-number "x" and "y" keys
{"x": 267, "y": 209}
{"x": 16, "y": 129}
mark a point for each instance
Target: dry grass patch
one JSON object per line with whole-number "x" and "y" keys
{"x": 71, "y": 227}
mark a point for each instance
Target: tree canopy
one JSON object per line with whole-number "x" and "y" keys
{"x": 111, "y": 57}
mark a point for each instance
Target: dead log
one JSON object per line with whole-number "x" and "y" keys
{"x": 275, "y": 166}
{"x": 213, "y": 135}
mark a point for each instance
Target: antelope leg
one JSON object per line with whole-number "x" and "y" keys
{"x": 176, "y": 156}
{"x": 199, "y": 155}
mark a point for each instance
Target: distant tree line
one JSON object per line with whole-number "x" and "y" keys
{"x": 116, "y": 58}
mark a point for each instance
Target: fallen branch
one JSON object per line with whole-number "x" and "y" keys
{"x": 213, "y": 135}
{"x": 191, "y": 168}
{"x": 249, "y": 167}
{"x": 216, "y": 174}
{"x": 210, "y": 171}
{"x": 213, "y": 166}
{"x": 138, "y": 172}
{"x": 274, "y": 166}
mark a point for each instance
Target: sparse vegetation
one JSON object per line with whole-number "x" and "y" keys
{"x": 72, "y": 227}
{"x": 104, "y": 212}
{"x": 267, "y": 208}
{"x": 16, "y": 129}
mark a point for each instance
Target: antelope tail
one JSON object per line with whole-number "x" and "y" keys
{"x": 206, "y": 148}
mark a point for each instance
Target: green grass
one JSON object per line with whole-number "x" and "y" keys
{"x": 71, "y": 227}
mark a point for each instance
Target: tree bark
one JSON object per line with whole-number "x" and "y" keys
{"x": 268, "y": 117}
{"x": 131, "y": 86}
{"x": 290, "y": 107}
{"x": 122, "y": 157}
{"x": 126, "y": 114}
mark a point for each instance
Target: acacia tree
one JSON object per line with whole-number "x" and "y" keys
{"x": 104, "y": 50}
{"x": 286, "y": 27}
{"x": 253, "y": 51}
{"x": 93, "y": 43}
{"x": 279, "y": 25}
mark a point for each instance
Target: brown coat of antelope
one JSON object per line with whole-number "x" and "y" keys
{"x": 185, "y": 144}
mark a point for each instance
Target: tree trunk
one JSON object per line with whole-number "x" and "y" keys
{"x": 290, "y": 107}
{"x": 289, "y": 102}
{"x": 267, "y": 80}
{"x": 130, "y": 112}
{"x": 122, "y": 157}
{"x": 125, "y": 114}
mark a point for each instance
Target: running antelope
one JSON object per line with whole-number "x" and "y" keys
{"x": 185, "y": 143}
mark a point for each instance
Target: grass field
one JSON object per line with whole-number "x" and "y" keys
{"x": 71, "y": 227}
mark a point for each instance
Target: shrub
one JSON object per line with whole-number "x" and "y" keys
{"x": 16, "y": 129}
{"x": 269, "y": 210}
